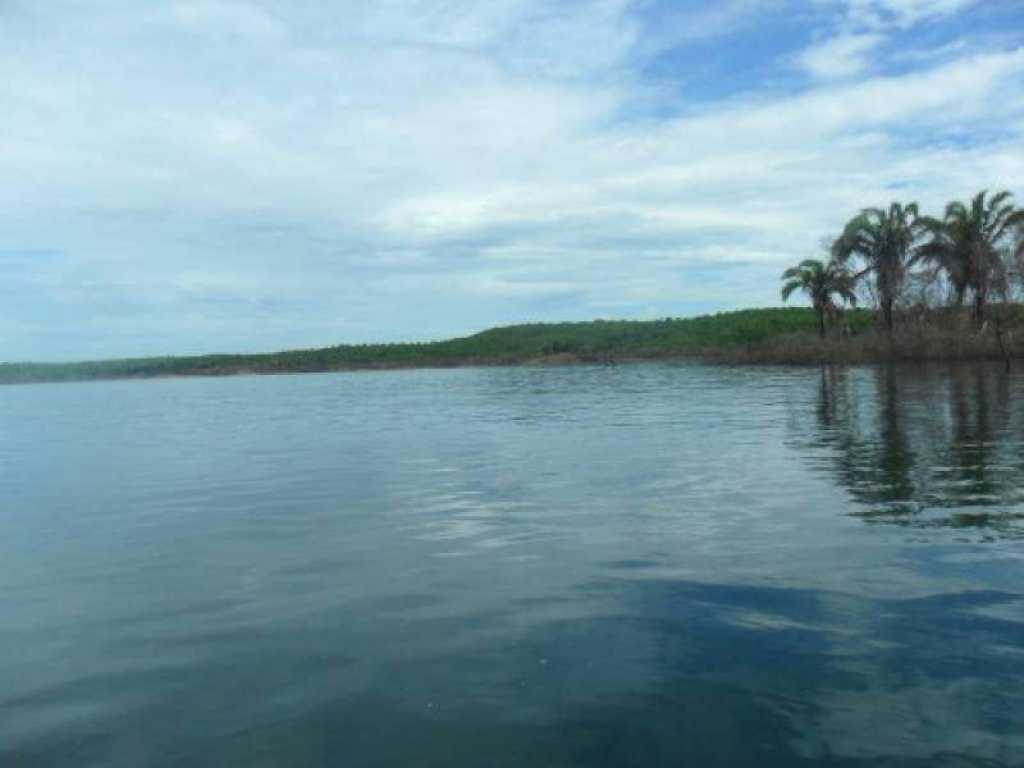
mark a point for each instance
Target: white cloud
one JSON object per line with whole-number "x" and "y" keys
{"x": 405, "y": 172}
{"x": 903, "y": 13}
{"x": 868, "y": 24}
{"x": 231, "y": 18}
{"x": 840, "y": 57}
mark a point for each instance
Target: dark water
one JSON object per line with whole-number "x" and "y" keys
{"x": 642, "y": 565}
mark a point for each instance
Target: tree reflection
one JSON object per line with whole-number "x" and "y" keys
{"x": 924, "y": 447}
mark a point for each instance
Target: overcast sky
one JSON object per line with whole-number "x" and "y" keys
{"x": 251, "y": 175}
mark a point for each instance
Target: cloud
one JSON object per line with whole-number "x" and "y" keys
{"x": 903, "y": 13}
{"x": 667, "y": 25}
{"x": 223, "y": 18}
{"x": 257, "y": 175}
{"x": 840, "y": 57}
{"x": 869, "y": 24}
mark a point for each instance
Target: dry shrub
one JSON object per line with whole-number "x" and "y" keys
{"x": 924, "y": 341}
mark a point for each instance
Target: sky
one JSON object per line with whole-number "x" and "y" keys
{"x": 254, "y": 175}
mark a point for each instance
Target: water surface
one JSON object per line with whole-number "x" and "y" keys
{"x": 585, "y": 566}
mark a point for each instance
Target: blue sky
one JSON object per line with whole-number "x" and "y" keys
{"x": 251, "y": 175}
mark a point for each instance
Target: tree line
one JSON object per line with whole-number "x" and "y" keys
{"x": 899, "y": 259}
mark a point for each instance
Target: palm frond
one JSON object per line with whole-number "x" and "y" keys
{"x": 999, "y": 198}
{"x": 848, "y": 295}
{"x": 814, "y": 265}
{"x": 978, "y": 205}
{"x": 790, "y": 288}
{"x": 791, "y": 273}
{"x": 1007, "y": 219}
{"x": 955, "y": 210}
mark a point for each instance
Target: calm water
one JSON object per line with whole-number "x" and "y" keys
{"x": 642, "y": 565}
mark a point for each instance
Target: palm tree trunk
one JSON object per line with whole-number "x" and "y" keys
{"x": 821, "y": 323}
{"x": 887, "y": 313}
{"x": 979, "y": 307}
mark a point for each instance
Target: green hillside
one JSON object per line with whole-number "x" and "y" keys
{"x": 595, "y": 340}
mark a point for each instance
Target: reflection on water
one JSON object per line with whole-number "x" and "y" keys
{"x": 926, "y": 447}
{"x": 632, "y": 566}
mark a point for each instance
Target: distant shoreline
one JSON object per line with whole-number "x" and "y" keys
{"x": 784, "y": 336}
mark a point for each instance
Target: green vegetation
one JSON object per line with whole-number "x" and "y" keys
{"x": 883, "y": 240}
{"x": 596, "y": 341}
{"x": 821, "y": 282}
{"x": 923, "y": 268}
{"x": 916, "y": 270}
{"x": 967, "y": 245}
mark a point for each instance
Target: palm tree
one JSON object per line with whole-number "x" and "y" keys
{"x": 883, "y": 240}
{"x": 943, "y": 253}
{"x": 966, "y": 243}
{"x": 820, "y": 282}
{"x": 1018, "y": 256}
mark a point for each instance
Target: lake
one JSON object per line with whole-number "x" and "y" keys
{"x": 637, "y": 565}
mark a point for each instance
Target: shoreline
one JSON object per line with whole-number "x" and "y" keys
{"x": 781, "y": 337}
{"x": 754, "y": 357}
